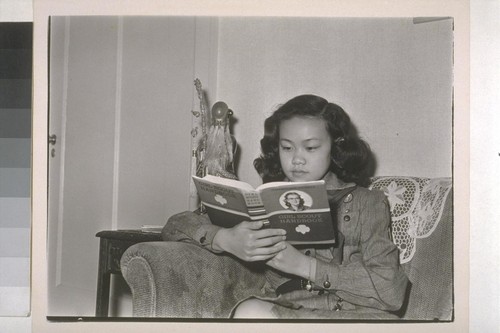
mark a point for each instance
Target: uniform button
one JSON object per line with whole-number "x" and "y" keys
{"x": 202, "y": 239}
{"x": 307, "y": 253}
{"x": 348, "y": 198}
{"x": 326, "y": 284}
{"x": 347, "y": 218}
{"x": 347, "y": 211}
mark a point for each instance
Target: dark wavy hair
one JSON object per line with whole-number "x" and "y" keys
{"x": 350, "y": 155}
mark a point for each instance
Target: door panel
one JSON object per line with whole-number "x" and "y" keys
{"x": 121, "y": 95}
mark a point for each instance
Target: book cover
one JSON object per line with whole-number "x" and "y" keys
{"x": 300, "y": 208}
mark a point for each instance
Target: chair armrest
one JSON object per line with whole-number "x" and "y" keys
{"x": 175, "y": 279}
{"x": 431, "y": 272}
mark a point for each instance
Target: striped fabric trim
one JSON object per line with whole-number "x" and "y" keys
{"x": 256, "y": 211}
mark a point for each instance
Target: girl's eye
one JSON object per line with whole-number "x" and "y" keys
{"x": 311, "y": 148}
{"x": 286, "y": 148}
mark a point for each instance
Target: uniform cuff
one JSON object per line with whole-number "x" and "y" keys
{"x": 312, "y": 269}
{"x": 205, "y": 236}
{"x": 326, "y": 274}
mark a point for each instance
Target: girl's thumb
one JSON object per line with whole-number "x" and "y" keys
{"x": 255, "y": 225}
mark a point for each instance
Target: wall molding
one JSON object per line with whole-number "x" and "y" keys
{"x": 118, "y": 112}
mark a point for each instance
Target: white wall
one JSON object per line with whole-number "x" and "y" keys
{"x": 393, "y": 77}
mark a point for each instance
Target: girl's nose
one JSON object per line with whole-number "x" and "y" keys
{"x": 298, "y": 158}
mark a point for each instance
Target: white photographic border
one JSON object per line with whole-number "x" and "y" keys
{"x": 458, "y": 9}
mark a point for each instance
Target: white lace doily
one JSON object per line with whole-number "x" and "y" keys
{"x": 416, "y": 208}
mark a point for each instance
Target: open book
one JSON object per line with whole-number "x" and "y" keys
{"x": 300, "y": 208}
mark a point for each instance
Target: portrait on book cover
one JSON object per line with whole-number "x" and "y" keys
{"x": 296, "y": 201}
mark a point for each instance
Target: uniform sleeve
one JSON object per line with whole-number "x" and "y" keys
{"x": 191, "y": 227}
{"x": 377, "y": 280}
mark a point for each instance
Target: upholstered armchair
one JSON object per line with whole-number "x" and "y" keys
{"x": 183, "y": 280}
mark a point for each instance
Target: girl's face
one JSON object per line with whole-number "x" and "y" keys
{"x": 304, "y": 148}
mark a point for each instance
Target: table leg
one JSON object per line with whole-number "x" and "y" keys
{"x": 103, "y": 280}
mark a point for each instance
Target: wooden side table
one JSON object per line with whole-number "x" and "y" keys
{"x": 112, "y": 245}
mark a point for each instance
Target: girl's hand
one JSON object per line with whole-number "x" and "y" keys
{"x": 291, "y": 261}
{"x": 249, "y": 242}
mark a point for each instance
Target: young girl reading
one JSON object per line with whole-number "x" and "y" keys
{"x": 359, "y": 277}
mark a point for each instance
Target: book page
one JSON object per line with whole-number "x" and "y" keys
{"x": 288, "y": 184}
{"x": 228, "y": 182}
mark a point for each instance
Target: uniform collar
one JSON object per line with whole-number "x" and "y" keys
{"x": 333, "y": 183}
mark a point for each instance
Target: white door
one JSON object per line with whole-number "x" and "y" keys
{"x": 58, "y": 75}
{"x": 121, "y": 95}
{"x": 83, "y": 80}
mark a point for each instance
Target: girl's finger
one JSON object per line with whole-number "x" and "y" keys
{"x": 253, "y": 225}
{"x": 264, "y": 233}
{"x": 269, "y": 250}
{"x": 262, "y": 257}
{"x": 269, "y": 241}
